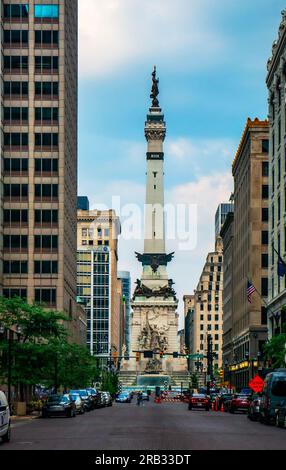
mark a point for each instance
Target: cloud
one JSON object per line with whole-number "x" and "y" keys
{"x": 117, "y": 33}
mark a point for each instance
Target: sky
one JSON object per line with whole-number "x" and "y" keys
{"x": 211, "y": 60}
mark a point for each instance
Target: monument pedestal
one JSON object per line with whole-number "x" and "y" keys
{"x": 154, "y": 328}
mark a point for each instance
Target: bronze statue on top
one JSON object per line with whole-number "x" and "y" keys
{"x": 155, "y": 90}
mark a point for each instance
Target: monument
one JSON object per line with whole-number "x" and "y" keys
{"x": 154, "y": 324}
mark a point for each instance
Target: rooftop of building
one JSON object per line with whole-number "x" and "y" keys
{"x": 250, "y": 125}
{"x": 277, "y": 47}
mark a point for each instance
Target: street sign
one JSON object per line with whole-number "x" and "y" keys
{"x": 256, "y": 384}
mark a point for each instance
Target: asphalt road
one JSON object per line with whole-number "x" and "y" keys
{"x": 151, "y": 427}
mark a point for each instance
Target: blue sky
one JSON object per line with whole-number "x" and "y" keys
{"x": 211, "y": 58}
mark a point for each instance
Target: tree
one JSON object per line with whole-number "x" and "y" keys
{"x": 110, "y": 383}
{"x": 275, "y": 350}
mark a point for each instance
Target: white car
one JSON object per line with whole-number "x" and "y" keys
{"x": 5, "y": 422}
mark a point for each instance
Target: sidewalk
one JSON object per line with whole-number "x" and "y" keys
{"x": 16, "y": 419}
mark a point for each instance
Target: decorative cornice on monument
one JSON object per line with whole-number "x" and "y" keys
{"x": 249, "y": 125}
{"x": 163, "y": 292}
{"x": 277, "y": 48}
{"x": 155, "y": 260}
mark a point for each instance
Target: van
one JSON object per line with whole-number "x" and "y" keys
{"x": 273, "y": 394}
{"x": 5, "y": 422}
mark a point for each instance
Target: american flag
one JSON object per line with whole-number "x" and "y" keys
{"x": 250, "y": 290}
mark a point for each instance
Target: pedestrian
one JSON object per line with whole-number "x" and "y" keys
{"x": 139, "y": 398}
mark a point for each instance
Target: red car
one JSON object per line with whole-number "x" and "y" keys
{"x": 238, "y": 403}
{"x": 198, "y": 400}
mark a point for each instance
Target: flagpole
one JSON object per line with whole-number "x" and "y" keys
{"x": 263, "y": 300}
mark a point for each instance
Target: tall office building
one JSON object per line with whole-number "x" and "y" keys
{"x": 99, "y": 289}
{"x": 221, "y": 215}
{"x": 250, "y": 250}
{"x": 39, "y": 151}
{"x": 125, "y": 278}
{"x": 206, "y": 309}
{"x": 276, "y": 83}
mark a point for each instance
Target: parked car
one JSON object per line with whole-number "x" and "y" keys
{"x": 123, "y": 397}
{"x": 223, "y": 398}
{"x": 238, "y": 402}
{"x": 5, "y": 421}
{"x": 145, "y": 396}
{"x": 86, "y": 398}
{"x": 59, "y": 405}
{"x": 107, "y": 399}
{"x": 79, "y": 404}
{"x": 273, "y": 395}
{"x": 199, "y": 400}
{"x": 281, "y": 416}
{"x": 254, "y": 408}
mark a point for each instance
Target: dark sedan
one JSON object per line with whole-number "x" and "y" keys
{"x": 123, "y": 398}
{"x": 59, "y": 405}
{"x": 198, "y": 400}
{"x": 86, "y": 398}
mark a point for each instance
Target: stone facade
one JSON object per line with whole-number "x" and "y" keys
{"x": 250, "y": 249}
{"x": 97, "y": 282}
{"x": 39, "y": 153}
{"x": 276, "y": 83}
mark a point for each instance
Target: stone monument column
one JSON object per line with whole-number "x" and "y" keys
{"x": 154, "y": 326}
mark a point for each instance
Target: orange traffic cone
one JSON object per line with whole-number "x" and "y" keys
{"x": 222, "y": 408}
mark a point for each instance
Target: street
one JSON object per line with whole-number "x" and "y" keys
{"x": 168, "y": 426}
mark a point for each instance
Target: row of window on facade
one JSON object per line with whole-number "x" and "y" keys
{"x": 41, "y": 295}
{"x": 21, "y": 165}
{"x": 21, "y": 88}
{"x": 40, "y": 191}
{"x": 42, "y": 63}
{"x": 21, "y": 267}
{"x": 21, "y": 37}
{"x": 41, "y": 242}
{"x": 20, "y": 216}
{"x": 16, "y": 113}
{"x": 21, "y": 11}
{"x": 21, "y": 139}
{"x": 89, "y": 232}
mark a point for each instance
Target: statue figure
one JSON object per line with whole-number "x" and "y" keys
{"x": 155, "y": 90}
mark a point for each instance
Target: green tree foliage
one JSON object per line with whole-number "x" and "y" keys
{"x": 275, "y": 350}
{"x": 42, "y": 353}
{"x": 109, "y": 383}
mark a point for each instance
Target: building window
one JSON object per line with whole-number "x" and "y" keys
{"x": 47, "y": 140}
{"x": 265, "y": 149}
{"x": 202, "y": 317}
{"x": 209, "y": 318}
{"x": 16, "y": 190}
{"x": 46, "y": 216}
{"x": 12, "y": 36}
{"x": 15, "y": 267}
{"x": 209, "y": 327}
{"x": 216, "y": 317}
{"x": 15, "y": 242}
{"x": 201, "y": 327}
{"x": 49, "y": 242}
{"x": 201, "y": 337}
{"x": 46, "y": 62}
{"x": 265, "y": 169}
{"x": 15, "y": 216}
{"x": 272, "y": 216}
{"x": 16, "y": 62}
{"x": 46, "y": 11}
{"x": 46, "y": 296}
{"x": 45, "y": 267}
{"x": 216, "y": 347}
{"x": 264, "y": 286}
{"x": 15, "y": 114}
{"x": 209, "y": 308}
{"x": 263, "y": 316}
{"x": 106, "y": 232}
{"x": 216, "y": 327}
{"x": 20, "y": 89}
{"x": 216, "y": 337}
{"x": 16, "y": 165}
{"x": 216, "y": 307}
{"x": 47, "y": 114}
{"x": 15, "y": 139}
{"x": 264, "y": 237}
{"x": 46, "y": 190}
{"x": 43, "y": 37}
{"x": 47, "y": 89}
{"x": 201, "y": 307}
{"x": 265, "y": 192}
{"x": 209, "y": 297}
{"x": 10, "y": 293}
{"x": 46, "y": 165}
{"x": 16, "y": 11}
{"x": 264, "y": 260}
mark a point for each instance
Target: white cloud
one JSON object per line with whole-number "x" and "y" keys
{"x": 117, "y": 33}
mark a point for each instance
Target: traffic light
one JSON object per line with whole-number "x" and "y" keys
{"x": 138, "y": 357}
{"x": 115, "y": 357}
{"x": 221, "y": 374}
{"x": 161, "y": 354}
